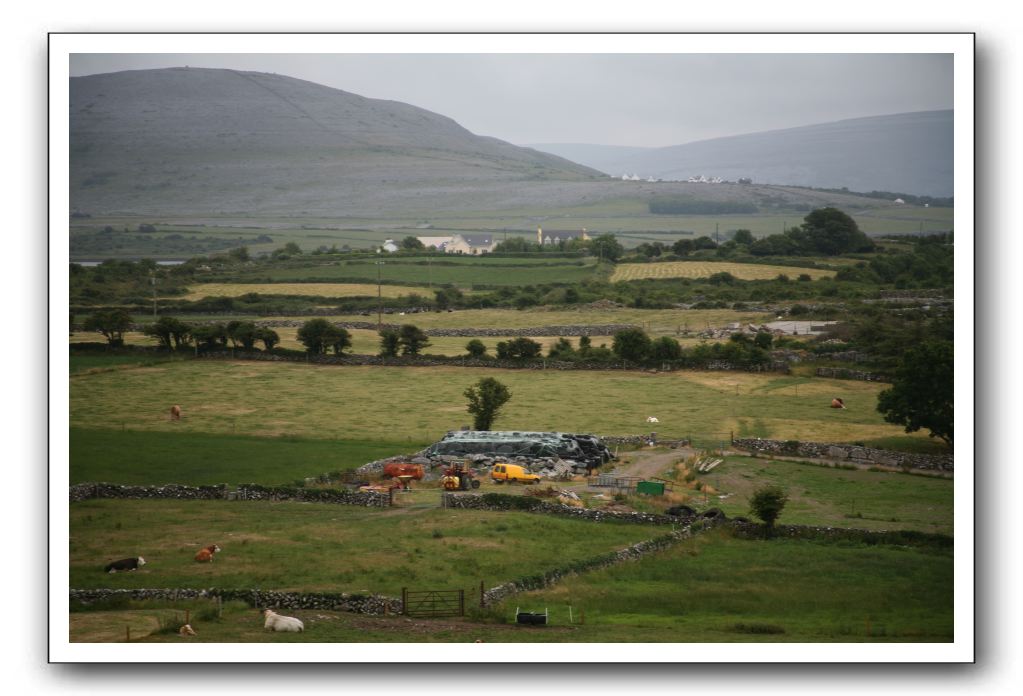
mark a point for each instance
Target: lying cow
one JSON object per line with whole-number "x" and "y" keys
{"x": 186, "y": 630}
{"x": 652, "y": 419}
{"x": 276, "y": 622}
{"x": 837, "y": 403}
{"x": 125, "y": 564}
{"x": 175, "y": 412}
{"x": 206, "y": 555}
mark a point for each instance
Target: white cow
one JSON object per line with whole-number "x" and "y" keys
{"x": 651, "y": 419}
{"x": 276, "y": 622}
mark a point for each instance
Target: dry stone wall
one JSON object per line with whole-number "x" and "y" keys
{"x": 854, "y": 454}
{"x": 339, "y": 496}
{"x": 847, "y": 373}
{"x": 86, "y": 491}
{"x": 552, "y": 577}
{"x": 493, "y": 502}
{"x": 260, "y": 599}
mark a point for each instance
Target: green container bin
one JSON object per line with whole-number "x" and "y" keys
{"x": 650, "y": 488}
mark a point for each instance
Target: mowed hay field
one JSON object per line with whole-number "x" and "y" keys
{"x": 388, "y": 403}
{"x": 705, "y": 269}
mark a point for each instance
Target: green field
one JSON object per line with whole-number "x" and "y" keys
{"x": 835, "y": 497}
{"x": 399, "y": 403}
{"x": 711, "y": 589}
{"x": 462, "y": 273}
{"x": 328, "y": 548}
{"x": 714, "y": 588}
{"x": 628, "y": 218}
{"x": 134, "y": 457}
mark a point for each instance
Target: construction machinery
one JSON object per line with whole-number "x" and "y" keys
{"x": 459, "y": 477}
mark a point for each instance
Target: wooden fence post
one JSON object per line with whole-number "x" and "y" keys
{"x": 481, "y": 595}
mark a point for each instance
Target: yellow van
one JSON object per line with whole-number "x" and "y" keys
{"x": 511, "y": 473}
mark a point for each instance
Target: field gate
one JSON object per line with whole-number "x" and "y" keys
{"x": 427, "y": 603}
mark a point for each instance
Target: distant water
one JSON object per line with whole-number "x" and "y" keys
{"x": 170, "y": 262}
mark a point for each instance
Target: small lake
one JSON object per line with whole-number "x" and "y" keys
{"x": 169, "y": 262}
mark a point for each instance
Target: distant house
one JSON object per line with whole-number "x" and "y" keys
{"x": 471, "y": 244}
{"x": 899, "y": 201}
{"x": 389, "y": 246}
{"x": 557, "y": 236}
{"x": 440, "y": 243}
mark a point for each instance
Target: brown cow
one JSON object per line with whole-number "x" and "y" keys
{"x": 175, "y": 412}
{"x": 206, "y": 555}
{"x": 837, "y": 403}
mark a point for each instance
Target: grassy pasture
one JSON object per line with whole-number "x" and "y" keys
{"x": 133, "y": 457}
{"x": 711, "y": 589}
{"x": 714, "y": 588}
{"x": 819, "y": 494}
{"x": 656, "y": 322}
{"x": 333, "y": 290}
{"x": 463, "y": 274}
{"x": 699, "y": 269}
{"x": 328, "y": 548}
{"x": 373, "y": 403}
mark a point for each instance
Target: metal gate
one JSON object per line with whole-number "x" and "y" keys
{"x": 432, "y": 602}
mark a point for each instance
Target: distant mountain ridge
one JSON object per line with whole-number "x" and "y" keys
{"x": 910, "y": 152}
{"x": 227, "y": 140}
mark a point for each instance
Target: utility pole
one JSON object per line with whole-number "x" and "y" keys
{"x": 152, "y": 281}
{"x": 379, "y": 297}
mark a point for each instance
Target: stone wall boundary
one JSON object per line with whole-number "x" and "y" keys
{"x": 246, "y": 491}
{"x": 259, "y": 599}
{"x": 552, "y": 577}
{"x": 853, "y": 454}
{"x": 846, "y": 373}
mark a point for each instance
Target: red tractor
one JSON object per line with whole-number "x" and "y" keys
{"x": 459, "y": 477}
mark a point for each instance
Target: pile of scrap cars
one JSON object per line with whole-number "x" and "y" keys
{"x": 550, "y": 455}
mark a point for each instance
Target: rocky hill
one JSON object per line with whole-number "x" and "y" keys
{"x": 202, "y": 140}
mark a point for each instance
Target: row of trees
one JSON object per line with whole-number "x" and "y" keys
{"x": 634, "y": 345}
{"x": 174, "y": 334}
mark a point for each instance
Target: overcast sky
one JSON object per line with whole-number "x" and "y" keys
{"x": 610, "y": 99}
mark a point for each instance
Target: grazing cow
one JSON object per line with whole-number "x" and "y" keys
{"x": 652, "y": 419}
{"x": 837, "y": 403}
{"x": 175, "y": 412}
{"x": 206, "y": 555}
{"x": 276, "y": 622}
{"x": 186, "y": 630}
{"x": 125, "y": 564}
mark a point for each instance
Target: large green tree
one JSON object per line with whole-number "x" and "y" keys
{"x": 922, "y": 391}
{"x": 631, "y": 344}
{"x": 606, "y": 247}
{"x": 112, "y": 323}
{"x": 319, "y": 335}
{"x": 830, "y": 231}
{"x": 412, "y": 339}
{"x": 169, "y": 332}
{"x": 486, "y": 398}
{"x": 390, "y": 342}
